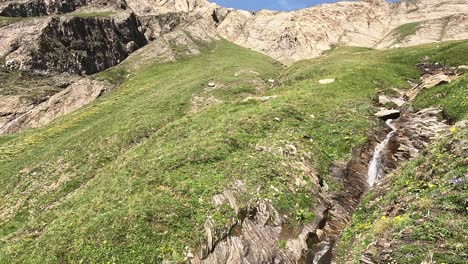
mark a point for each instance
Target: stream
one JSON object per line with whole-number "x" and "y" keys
{"x": 323, "y": 251}
{"x": 375, "y": 169}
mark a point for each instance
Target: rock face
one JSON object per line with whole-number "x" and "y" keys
{"x": 452, "y": 27}
{"x": 157, "y": 7}
{"x": 74, "y": 44}
{"x": 29, "y": 8}
{"x": 286, "y": 36}
{"x": 291, "y": 36}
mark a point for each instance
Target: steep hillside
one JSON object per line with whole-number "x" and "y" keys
{"x": 188, "y": 160}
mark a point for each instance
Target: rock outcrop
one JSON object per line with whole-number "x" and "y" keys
{"x": 302, "y": 34}
{"x": 291, "y": 36}
{"x": 30, "y": 8}
{"x": 72, "y": 44}
{"x": 24, "y": 115}
{"x": 286, "y": 36}
{"x": 453, "y": 27}
{"x": 157, "y": 7}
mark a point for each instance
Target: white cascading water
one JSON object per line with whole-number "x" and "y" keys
{"x": 375, "y": 168}
{"x": 320, "y": 254}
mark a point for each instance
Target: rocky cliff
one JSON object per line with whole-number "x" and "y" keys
{"x": 82, "y": 45}
{"x": 307, "y": 33}
{"x": 29, "y": 8}
{"x": 286, "y": 36}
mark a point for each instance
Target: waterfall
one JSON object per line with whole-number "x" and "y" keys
{"x": 375, "y": 168}
{"x": 320, "y": 256}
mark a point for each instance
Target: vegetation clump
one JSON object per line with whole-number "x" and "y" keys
{"x": 406, "y": 30}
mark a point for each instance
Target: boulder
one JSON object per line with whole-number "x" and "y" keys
{"x": 434, "y": 80}
{"x": 383, "y": 100}
{"x": 261, "y": 99}
{"x": 326, "y": 81}
{"x": 388, "y": 114}
{"x": 429, "y": 81}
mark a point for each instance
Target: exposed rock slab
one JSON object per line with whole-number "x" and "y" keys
{"x": 415, "y": 132}
{"x": 71, "y": 44}
{"x": 433, "y": 75}
{"x": 453, "y": 27}
{"x": 302, "y": 34}
{"x": 383, "y": 100}
{"x": 75, "y": 96}
{"x": 388, "y": 114}
{"x": 326, "y": 81}
{"x": 30, "y": 8}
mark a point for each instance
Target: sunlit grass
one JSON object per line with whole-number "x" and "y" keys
{"x": 134, "y": 173}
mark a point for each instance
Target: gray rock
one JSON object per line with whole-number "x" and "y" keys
{"x": 30, "y": 8}
{"x": 388, "y": 114}
{"x": 383, "y": 100}
{"x": 429, "y": 81}
{"x": 76, "y": 44}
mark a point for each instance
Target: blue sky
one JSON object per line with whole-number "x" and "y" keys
{"x": 254, "y": 5}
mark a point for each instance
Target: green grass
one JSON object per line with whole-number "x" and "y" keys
{"x": 130, "y": 177}
{"x": 453, "y": 98}
{"x": 4, "y": 21}
{"x": 91, "y": 14}
{"x": 34, "y": 87}
{"x": 406, "y": 30}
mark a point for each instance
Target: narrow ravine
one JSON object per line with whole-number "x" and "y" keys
{"x": 375, "y": 165}
{"x": 409, "y": 133}
{"x": 405, "y": 132}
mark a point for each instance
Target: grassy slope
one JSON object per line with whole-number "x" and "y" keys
{"x": 130, "y": 177}
{"x": 432, "y": 189}
{"x": 4, "y": 21}
{"x": 30, "y": 86}
{"x": 453, "y": 98}
{"x": 405, "y": 30}
{"x": 82, "y": 14}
